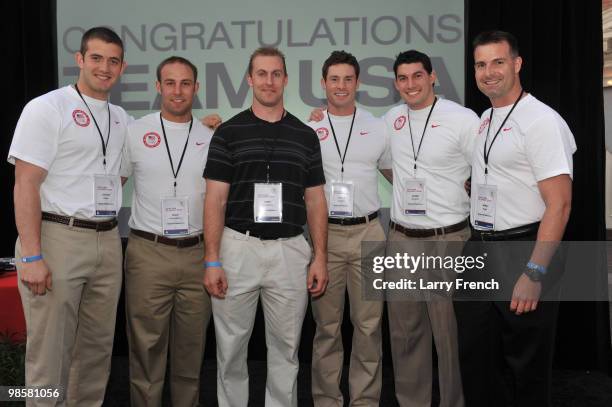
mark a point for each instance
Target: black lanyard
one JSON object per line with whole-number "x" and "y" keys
{"x": 104, "y": 145}
{"x": 265, "y": 140}
{"x": 342, "y": 157}
{"x": 486, "y": 152}
{"x": 416, "y": 153}
{"x": 175, "y": 173}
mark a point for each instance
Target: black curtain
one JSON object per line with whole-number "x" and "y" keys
{"x": 30, "y": 70}
{"x": 561, "y": 45}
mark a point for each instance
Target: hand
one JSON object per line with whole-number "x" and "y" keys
{"x": 36, "y": 276}
{"x": 317, "y": 114}
{"x": 317, "y": 278}
{"x": 215, "y": 281}
{"x": 525, "y": 295}
{"x": 212, "y": 121}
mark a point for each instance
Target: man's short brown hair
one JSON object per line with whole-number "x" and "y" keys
{"x": 176, "y": 60}
{"x": 100, "y": 33}
{"x": 267, "y": 52}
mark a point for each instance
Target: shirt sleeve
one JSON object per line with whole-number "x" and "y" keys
{"x": 469, "y": 133}
{"x": 37, "y": 134}
{"x": 384, "y": 162}
{"x": 219, "y": 164}
{"x": 315, "y": 175}
{"x": 126, "y": 170}
{"x": 549, "y": 147}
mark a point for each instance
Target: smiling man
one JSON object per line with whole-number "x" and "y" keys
{"x": 67, "y": 151}
{"x": 167, "y": 308}
{"x": 522, "y": 169}
{"x": 431, "y": 148}
{"x": 354, "y": 144}
{"x": 264, "y": 180}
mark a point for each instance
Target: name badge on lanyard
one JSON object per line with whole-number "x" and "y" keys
{"x": 106, "y": 188}
{"x": 341, "y": 199}
{"x": 268, "y": 202}
{"x": 175, "y": 209}
{"x": 487, "y": 194}
{"x": 342, "y": 194}
{"x": 415, "y": 196}
{"x": 415, "y": 189}
{"x": 485, "y": 207}
{"x": 175, "y": 215}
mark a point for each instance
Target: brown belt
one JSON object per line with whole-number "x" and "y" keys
{"x": 178, "y": 242}
{"x": 80, "y": 223}
{"x": 429, "y": 232}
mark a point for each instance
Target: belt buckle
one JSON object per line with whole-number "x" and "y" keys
{"x": 485, "y": 233}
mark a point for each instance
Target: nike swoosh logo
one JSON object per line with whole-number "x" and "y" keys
{"x": 363, "y": 133}
{"x": 507, "y": 128}
{"x": 433, "y": 126}
{"x": 200, "y": 144}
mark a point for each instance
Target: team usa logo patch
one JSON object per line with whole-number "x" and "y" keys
{"x": 484, "y": 124}
{"x": 151, "y": 139}
{"x": 80, "y": 118}
{"x": 323, "y": 133}
{"x": 399, "y": 122}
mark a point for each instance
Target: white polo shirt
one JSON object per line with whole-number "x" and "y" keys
{"x": 534, "y": 144}
{"x": 443, "y": 161}
{"x": 145, "y": 158}
{"x": 57, "y": 133}
{"x": 368, "y": 150}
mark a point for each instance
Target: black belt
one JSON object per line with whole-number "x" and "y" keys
{"x": 80, "y": 223}
{"x": 262, "y": 237}
{"x": 178, "y": 242}
{"x": 429, "y": 232}
{"x": 508, "y": 234}
{"x": 353, "y": 221}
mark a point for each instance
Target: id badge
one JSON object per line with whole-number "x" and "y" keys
{"x": 268, "y": 202}
{"x": 415, "y": 196}
{"x": 175, "y": 216}
{"x": 485, "y": 207}
{"x": 106, "y": 189}
{"x": 341, "y": 199}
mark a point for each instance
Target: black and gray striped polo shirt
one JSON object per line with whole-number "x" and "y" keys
{"x": 238, "y": 154}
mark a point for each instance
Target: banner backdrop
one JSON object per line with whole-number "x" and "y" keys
{"x": 219, "y": 35}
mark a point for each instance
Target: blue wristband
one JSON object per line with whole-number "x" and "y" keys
{"x": 536, "y": 267}
{"x": 208, "y": 264}
{"x": 31, "y": 259}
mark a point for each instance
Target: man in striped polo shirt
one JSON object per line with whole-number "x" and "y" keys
{"x": 264, "y": 180}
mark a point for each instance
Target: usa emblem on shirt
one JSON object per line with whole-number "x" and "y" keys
{"x": 323, "y": 133}
{"x": 80, "y": 118}
{"x": 399, "y": 122}
{"x": 151, "y": 139}
{"x": 484, "y": 124}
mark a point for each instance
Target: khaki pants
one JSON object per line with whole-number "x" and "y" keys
{"x": 70, "y": 330}
{"x": 365, "y": 370}
{"x": 276, "y": 271}
{"x": 411, "y": 325}
{"x": 167, "y": 309}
